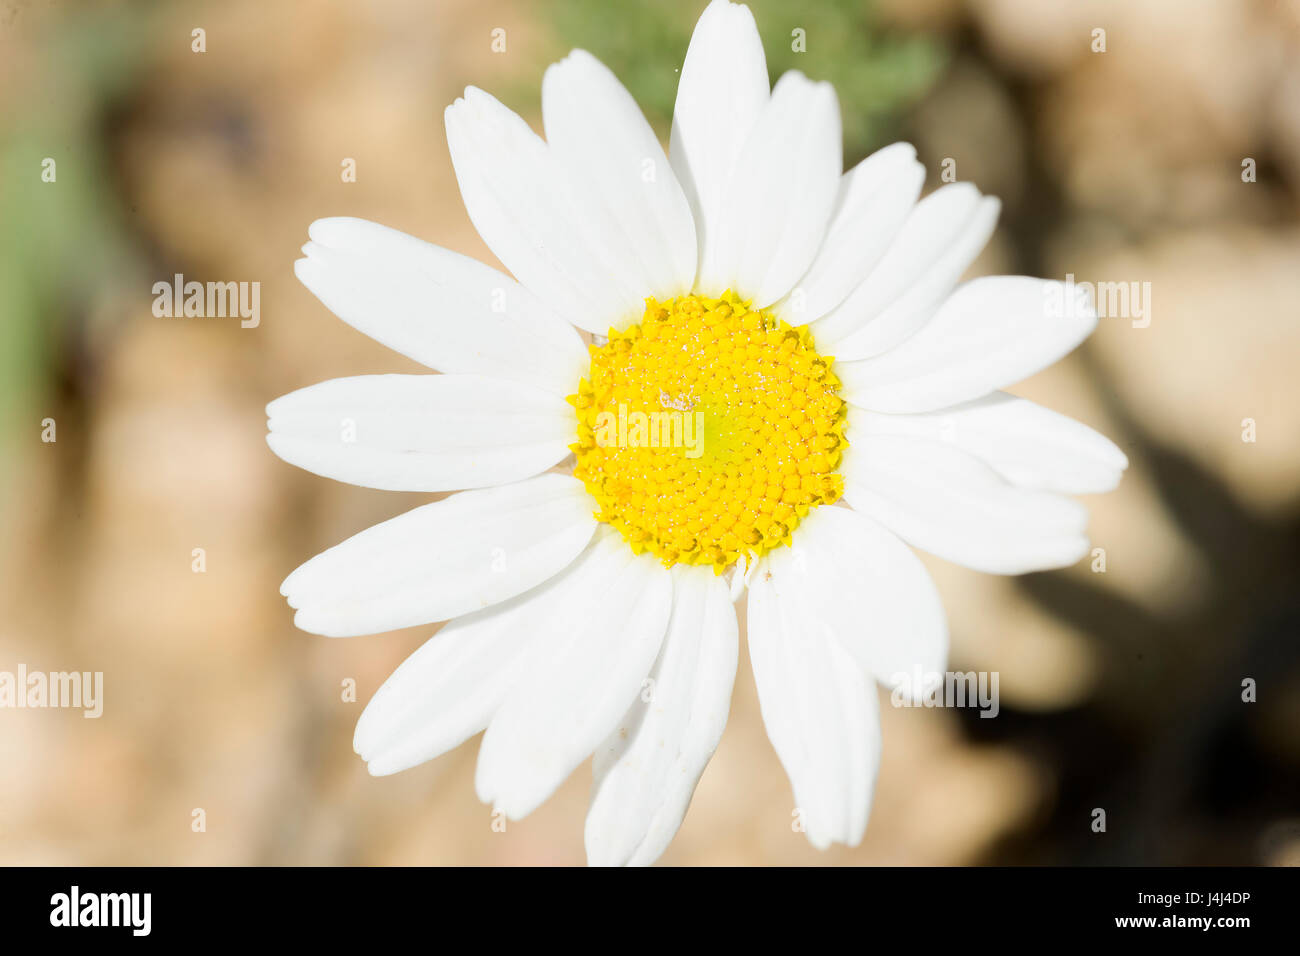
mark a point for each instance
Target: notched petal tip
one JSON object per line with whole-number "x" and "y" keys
{"x": 458, "y": 108}
{"x": 334, "y": 231}
{"x": 301, "y": 269}
{"x": 806, "y": 87}
{"x": 902, "y": 147}
{"x": 477, "y": 98}
{"x": 575, "y": 58}
{"x": 725, "y": 13}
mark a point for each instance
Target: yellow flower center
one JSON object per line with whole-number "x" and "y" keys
{"x": 708, "y": 431}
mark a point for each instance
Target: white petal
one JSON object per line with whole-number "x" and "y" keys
{"x": 448, "y": 690}
{"x": 440, "y": 308}
{"x": 646, "y": 771}
{"x": 444, "y": 559}
{"x": 780, "y": 195}
{"x": 554, "y": 238}
{"x": 1026, "y": 444}
{"x": 820, "y": 712}
{"x": 942, "y": 500}
{"x": 991, "y": 333}
{"x": 421, "y": 432}
{"x": 576, "y": 686}
{"x": 854, "y": 580}
{"x": 875, "y": 198}
{"x": 937, "y": 243}
{"x": 597, "y": 131}
{"x": 722, "y": 91}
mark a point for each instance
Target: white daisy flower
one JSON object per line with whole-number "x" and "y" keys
{"x": 847, "y": 395}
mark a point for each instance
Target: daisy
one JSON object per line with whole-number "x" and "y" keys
{"x": 847, "y": 394}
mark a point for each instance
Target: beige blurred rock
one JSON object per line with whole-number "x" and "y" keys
{"x": 1156, "y": 127}
{"x": 1042, "y": 664}
{"x": 929, "y": 15}
{"x": 969, "y": 119}
{"x": 1284, "y": 124}
{"x": 1219, "y": 349}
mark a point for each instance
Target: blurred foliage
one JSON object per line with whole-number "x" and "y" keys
{"x": 62, "y": 243}
{"x": 876, "y": 73}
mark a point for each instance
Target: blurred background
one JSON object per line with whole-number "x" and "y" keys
{"x": 1120, "y": 689}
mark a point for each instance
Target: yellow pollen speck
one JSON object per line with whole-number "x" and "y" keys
{"x": 708, "y": 431}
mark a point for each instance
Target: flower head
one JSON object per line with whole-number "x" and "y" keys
{"x": 783, "y": 384}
